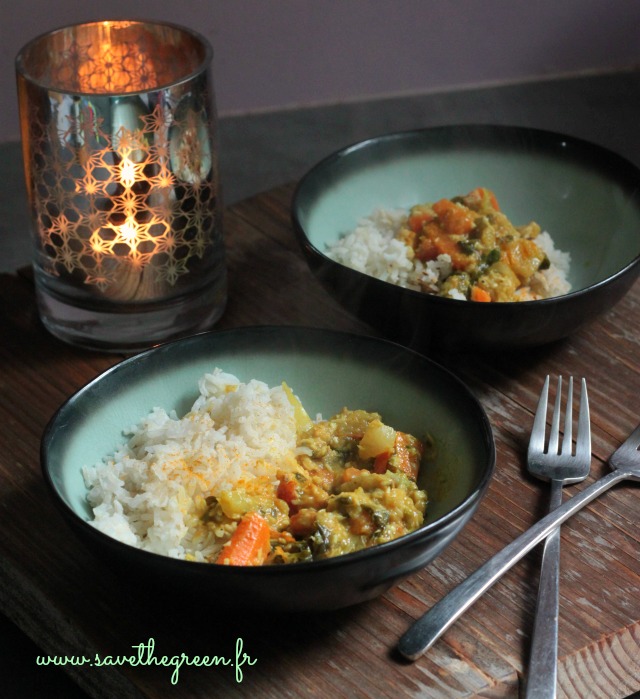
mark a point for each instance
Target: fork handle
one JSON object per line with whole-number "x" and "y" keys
{"x": 543, "y": 663}
{"x": 427, "y": 629}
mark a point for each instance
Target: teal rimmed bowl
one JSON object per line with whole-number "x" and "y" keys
{"x": 327, "y": 370}
{"x": 585, "y": 196}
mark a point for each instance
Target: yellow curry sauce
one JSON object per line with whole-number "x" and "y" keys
{"x": 354, "y": 486}
{"x": 492, "y": 259}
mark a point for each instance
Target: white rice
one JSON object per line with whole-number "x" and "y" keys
{"x": 372, "y": 248}
{"x": 556, "y": 275}
{"x": 151, "y": 492}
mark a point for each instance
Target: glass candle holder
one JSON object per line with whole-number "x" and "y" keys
{"x": 118, "y": 127}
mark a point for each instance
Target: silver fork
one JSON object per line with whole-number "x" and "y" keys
{"x": 558, "y": 464}
{"x": 425, "y": 631}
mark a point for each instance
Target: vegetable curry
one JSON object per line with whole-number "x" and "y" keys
{"x": 492, "y": 259}
{"x": 354, "y": 485}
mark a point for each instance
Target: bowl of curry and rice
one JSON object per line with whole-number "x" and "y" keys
{"x": 472, "y": 236}
{"x": 271, "y": 466}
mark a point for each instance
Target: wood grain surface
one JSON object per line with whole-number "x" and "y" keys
{"x": 72, "y": 604}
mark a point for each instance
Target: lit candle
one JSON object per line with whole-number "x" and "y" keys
{"x": 121, "y": 170}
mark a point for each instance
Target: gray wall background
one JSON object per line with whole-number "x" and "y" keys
{"x": 282, "y": 54}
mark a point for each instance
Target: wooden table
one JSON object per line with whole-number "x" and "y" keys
{"x": 73, "y": 605}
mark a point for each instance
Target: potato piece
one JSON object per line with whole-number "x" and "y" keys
{"x": 235, "y": 503}
{"x": 377, "y": 439}
{"x": 254, "y": 495}
{"x": 303, "y": 421}
{"x": 500, "y": 281}
{"x": 524, "y": 257}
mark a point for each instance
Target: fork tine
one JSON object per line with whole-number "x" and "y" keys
{"x": 633, "y": 440}
{"x": 567, "y": 438}
{"x": 627, "y": 451}
{"x": 555, "y": 421}
{"x": 583, "y": 440}
{"x": 536, "y": 441}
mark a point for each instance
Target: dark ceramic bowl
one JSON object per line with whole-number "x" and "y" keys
{"x": 328, "y": 370}
{"x": 585, "y": 196}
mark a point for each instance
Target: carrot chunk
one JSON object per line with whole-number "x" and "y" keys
{"x": 478, "y": 294}
{"x": 288, "y": 492}
{"x": 408, "y": 455}
{"x": 249, "y": 545}
{"x": 381, "y": 462}
{"x": 454, "y": 220}
{"x": 418, "y": 219}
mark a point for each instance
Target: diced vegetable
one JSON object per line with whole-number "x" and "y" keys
{"x": 454, "y": 219}
{"x": 288, "y": 492}
{"x": 235, "y": 503}
{"x": 300, "y": 414}
{"x": 480, "y": 197}
{"x": 500, "y": 281}
{"x": 381, "y": 462}
{"x": 420, "y": 215}
{"x": 249, "y": 544}
{"x": 479, "y": 294}
{"x": 524, "y": 257}
{"x": 407, "y": 455}
{"x": 377, "y": 439}
{"x": 251, "y": 495}
{"x": 436, "y": 241}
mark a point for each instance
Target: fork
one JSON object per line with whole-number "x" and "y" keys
{"x": 559, "y": 465}
{"x": 423, "y": 633}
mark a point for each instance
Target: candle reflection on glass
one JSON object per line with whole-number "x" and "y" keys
{"x": 118, "y": 124}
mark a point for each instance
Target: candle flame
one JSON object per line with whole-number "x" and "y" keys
{"x": 127, "y": 173}
{"x": 129, "y": 232}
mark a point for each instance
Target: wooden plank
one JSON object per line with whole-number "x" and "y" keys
{"x": 70, "y": 603}
{"x": 607, "y": 669}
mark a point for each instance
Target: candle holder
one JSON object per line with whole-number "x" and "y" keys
{"x": 118, "y": 127}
